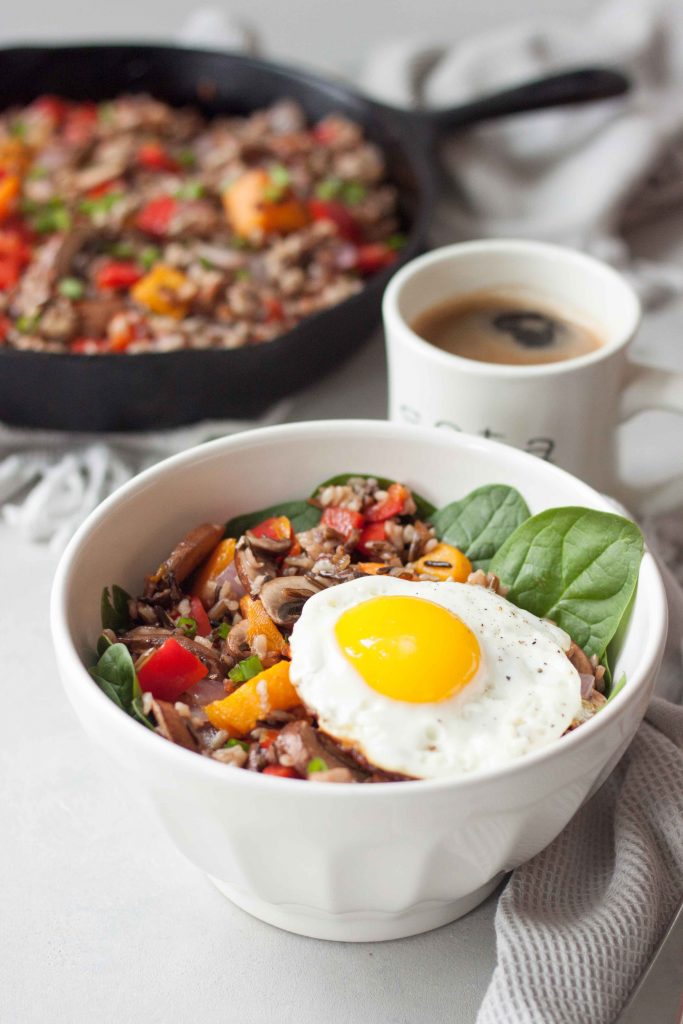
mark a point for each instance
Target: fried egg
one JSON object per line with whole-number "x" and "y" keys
{"x": 432, "y": 680}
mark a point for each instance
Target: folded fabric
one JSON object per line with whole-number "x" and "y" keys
{"x": 574, "y": 175}
{"x": 50, "y": 481}
{"x": 577, "y": 924}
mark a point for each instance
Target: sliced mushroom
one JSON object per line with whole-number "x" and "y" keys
{"x": 142, "y": 638}
{"x": 299, "y": 743}
{"x": 94, "y": 314}
{"x": 254, "y": 569}
{"x": 171, "y": 725}
{"x": 333, "y": 775}
{"x": 479, "y": 578}
{"x": 284, "y": 597}
{"x": 237, "y": 642}
{"x": 187, "y": 555}
{"x": 268, "y": 545}
{"x": 580, "y": 661}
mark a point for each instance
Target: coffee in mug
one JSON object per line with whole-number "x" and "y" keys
{"x": 498, "y": 327}
{"x": 566, "y": 410}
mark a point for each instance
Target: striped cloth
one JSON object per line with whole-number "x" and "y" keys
{"x": 577, "y": 924}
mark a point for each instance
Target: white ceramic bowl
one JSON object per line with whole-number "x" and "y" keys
{"x": 338, "y": 861}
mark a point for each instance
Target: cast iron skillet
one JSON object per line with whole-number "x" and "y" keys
{"x": 148, "y": 391}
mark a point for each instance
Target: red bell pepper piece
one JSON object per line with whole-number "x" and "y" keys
{"x": 118, "y": 274}
{"x": 79, "y": 123}
{"x": 155, "y": 216}
{"x": 393, "y": 504}
{"x": 324, "y": 132}
{"x": 88, "y": 345}
{"x": 372, "y": 532}
{"x": 374, "y": 256}
{"x": 154, "y": 157}
{"x": 337, "y": 213}
{"x": 276, "y": 527}
{"x": 170, "y": 671}
{"x": 14, "y": 255}
{"x": 343, "y": 520}
{"x": 282, "y": 771}
{"x": 51, "y": 106}
{"x": 113, "y": 185}
{"x": 267, "y": 738}
{"x": 200, "y": 617}
{"x": 5, "y": 325}
{"x": 274, "y": 311}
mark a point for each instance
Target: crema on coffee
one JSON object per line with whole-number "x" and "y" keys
{"x": 497, "y": 327}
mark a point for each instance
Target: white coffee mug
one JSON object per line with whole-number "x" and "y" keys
{"x": 565, "y": 411}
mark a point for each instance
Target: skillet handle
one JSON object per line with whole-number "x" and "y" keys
{"x": 580, "y": 86}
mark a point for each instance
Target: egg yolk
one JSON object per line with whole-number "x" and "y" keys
{"x": 408, "y": 648}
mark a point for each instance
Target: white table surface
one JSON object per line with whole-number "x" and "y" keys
{"x": 102, "y": 920}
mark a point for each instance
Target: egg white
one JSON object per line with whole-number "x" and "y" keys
{"x": 523, "y": 696}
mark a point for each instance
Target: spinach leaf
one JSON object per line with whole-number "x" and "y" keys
{"x": 617, "y": 688}
{"x": 103, "y": 642}
{"x": 115, "y": 675}
{"x": 301, "y": 515}
{"x": 480, "y": 522}
{"x": 138, "y": 714}
{"x": 116, "y": 670}
{"x": 576, "y": 566}
{"x": 114, "y": 609}
{"x": 423, "y": 507}
{"x": 107, "y": 688}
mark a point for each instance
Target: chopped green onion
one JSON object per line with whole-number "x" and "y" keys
{"x": 50, "y": 216}
{"x": 237, "y": 242}
{"x": 206, "y": 264}
{"x": 190, "y": 190}
{"x": 329, "y": 188}
{"x": 122, "y": 250}
{"x": 246, "y": 669}
{"x": 316, "y": 764}
{"x": 71, "y": 287}
{"x": 17, "y": 129}
{"x": 236, "y": 743}
{"x": 36, "y": 173}
{"x": 279, "y": 182}
{"x": 27, "y": 324}
{"x": 105, "y": 113}
{"x": 100, "y": 204}
{"x": 186, "y": 158}
{"x": 397, "y": 241}
{"x": 149, "y": 256}
{"x": 350, "y": 192}
{"x": 222, "y": 631}
{"x": 188, "y": 625}
{"x": 353, "y": 192}
{"x": 52, "y": 220}
{"x": 242, "y": 274}
{"x": 279, "y": 175}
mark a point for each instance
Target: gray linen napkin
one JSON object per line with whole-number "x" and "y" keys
{"x": 577, "y": 924}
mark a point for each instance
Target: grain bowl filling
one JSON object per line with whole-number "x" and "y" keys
{"x": 132, "y": 226}
{"x": 360, "y": 635}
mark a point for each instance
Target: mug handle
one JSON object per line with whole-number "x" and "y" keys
{"x": 647, "y": 388}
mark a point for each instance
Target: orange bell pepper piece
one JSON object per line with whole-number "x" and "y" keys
{"x": 372, "y": 568}
{"x": 259, "y": 622}
{"x": 160, "y": 290}
{"x": 217, "y": 562}
{"x": 250, "y": 207}
{"x": 268, "y": 691}
{"x": 446, "y": 563}
{"x": 10, "y": 186}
